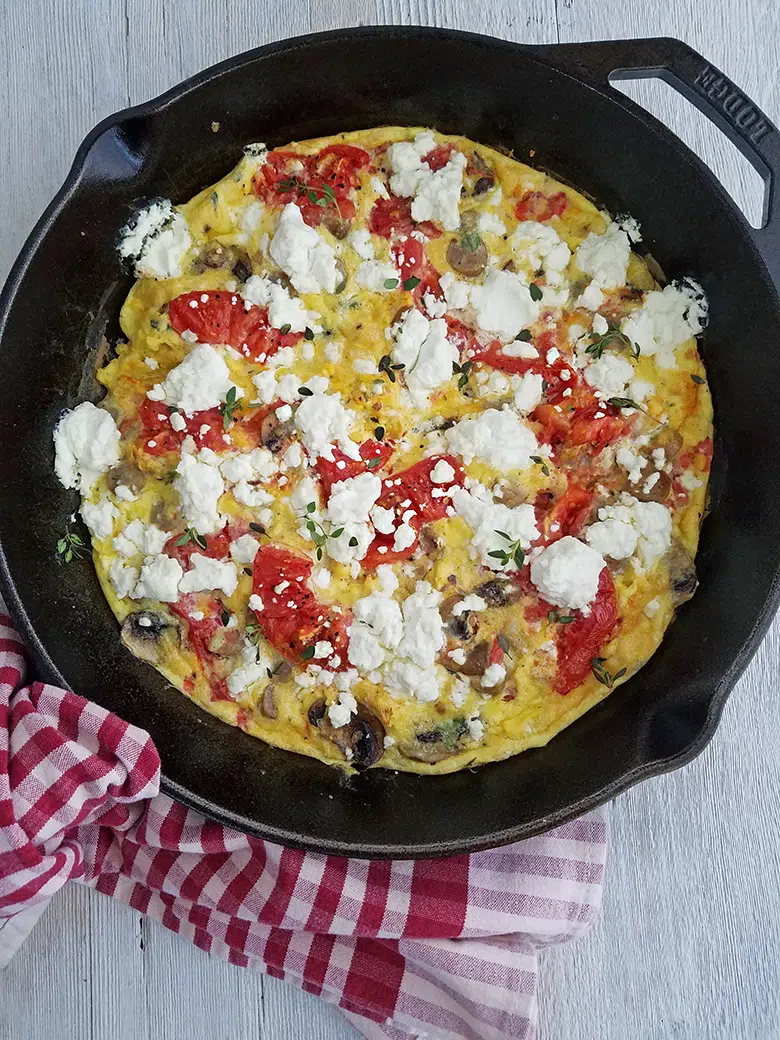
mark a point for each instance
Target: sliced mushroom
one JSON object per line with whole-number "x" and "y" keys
{"x": 282, "y": 671}
{"x": 482, "y": 185}
{"x": 276, "y": 434}
{"x": 430, "y": 746}
{"x": 481, "y": 164}
{"x": 165, "y": 515}
{"x": 497, "y": 593}
{"x": 429, "y": 543}
{"x": 462, "y": 627}
{"x": 214, "y": 255}
{"x": 268, "y": 703}
{"x": 225, "y": 642}
{"x": 337, "y": 226}
{"x": 658, "y": 492}
{"x": 476, "y": 662}
{"x": 682, "y": 573}
{"x": 363, "y": 735}
{"x": 242, "y": 268}
{"x": 127, "y": 474}
{"x": 513, "y": 495}
{"x": 143, "y": 631}
{"x": 341, "y": 282}
{"x": 466, "y": 258}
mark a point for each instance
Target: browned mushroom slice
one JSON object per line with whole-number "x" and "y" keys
{"x": 461, "y": 627}
{"x": 363, "y": 735}
{"x": 434, "y": 745}
{"x": 476, "y": 662}
{"x": 468, "y": 255}
{"x": 144, "y": 631}
{"x": 268, "y": 702}
{"x": 127, "y": 474}
{"x": 242, "y": 268}
{"x": 213, "y": 256}
{"x": 336, "y": 224}
{"x": 225, "y": 642}
{"x": 497, "y": 593}
{"x": 486, "y": 180}
{"x": 429, "y": 543}
{"x": 682, "y": 573}
{"x": 275, "y": 434}
{"x": 649, "y": 489}
{"x": 341, "y": 282}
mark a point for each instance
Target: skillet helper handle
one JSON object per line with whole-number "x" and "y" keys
{"x": 714, "y": 94}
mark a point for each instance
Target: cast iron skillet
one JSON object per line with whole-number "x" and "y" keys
{"x": 64, "y": 292}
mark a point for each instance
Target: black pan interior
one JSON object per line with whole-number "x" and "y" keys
{"x": 65, "y": 293}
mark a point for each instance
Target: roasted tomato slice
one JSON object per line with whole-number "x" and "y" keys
{"x": 411, "y": 489}
{"x": 534, "y": 205}
{"x": 158, "y": 436}
{"x": 303, "y": 179}
{"x": 393, "y": 216}
{"x": 201, "y": 633}
{"x": 217, "y": 547}
{"x": 342, "y": 467}
{"x": 223, "y": 317}
{"x": 409, "y": 256}
{"x": 582, "y": 639}
{"x": 568, "y": 515}
{"x": 439, "y": 156}
{"x": 292, "y": 619}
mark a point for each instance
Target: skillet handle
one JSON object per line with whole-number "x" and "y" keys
{"x": 712, "y": 92}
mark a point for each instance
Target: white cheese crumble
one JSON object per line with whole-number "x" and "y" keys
{"x": 442, "y": 473}
{"x": 342, "y": 710}
{"x": 631, "y": 527}
{"x": 486, "y": 518}
{"x": 160, "y": 577}
{"x": 538, "y": 246}
{"x": 200, "y": 487}
{"x": 503, "y": 304}
{"x": 244, "y": 549}
{"x": 472, "y": 602}
{"x": 305, "y": 257}
{"x": 494, "y": 674}
{"x": 436, "y": 194}
{"x": 609, "y": 375}
{"x": 283, "y": 309}
{"x": 361, "y": 242}
{"x": 351, "y": 500}
{"x": 99, "y": 517}
{"x": 86, "y": 445}
{"x": 252, "y": 668}
{"x": 605, "y": 257}
{"x": 123, "y": 577}
{"x": 158, "y": 238}
{"x": 613, "y": 537}
{"x": 495, "y": 436}
{"x": 140, "y": 537}
{"x": 200, "y": 382}
{"x": 422, "y": 347}
{"x": 378, "y": 276}
{"x": 652, "y": 607}
{"x": 208, "y": 573}
{"x": 667, "y": 319}
{"x": 528, "y": 392}
{"x": 457, "y": 292}
{"x": 324, "y": 421}
{"x": 567, "y": 572}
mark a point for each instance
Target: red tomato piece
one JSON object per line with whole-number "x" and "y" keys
{"x": 223, "y": 317}
{"x": 393, "y": 216}
{"x": 288, "y": 177}
{"x": 534, "y": 205}
{"x": 158, "y": 436}
{"x": 200, "y": 633}
{"x": 569, "y": 513}
{"x": 582, "y": 639}
{"x": 293, "y": 620}
{"x": 439, "y": 156}
{"x": 410, "y": 258}
{"x": 411, "y": 489}
{"x": 217, "y": 547}
{"x": 330, "y": 472}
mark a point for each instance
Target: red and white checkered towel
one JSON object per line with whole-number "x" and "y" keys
{"x": 435, "y": 948}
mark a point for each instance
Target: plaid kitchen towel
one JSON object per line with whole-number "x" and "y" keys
{"x": 433, "y": 948}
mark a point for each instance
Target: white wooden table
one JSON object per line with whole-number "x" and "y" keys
{"x": 686, "y": 948}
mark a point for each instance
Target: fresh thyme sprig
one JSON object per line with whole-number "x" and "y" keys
{"x": 70, "y": 546}
{"x": 464, "y": 370}
{"x": 327, "y": 198}
{"x": 191, "y": 535}
{"x": 316, "y": 531}
{"x": 604, "y": 677}
{"x": 230, "y": 407}
{"x": 514, "y": 551}
{"x": 386, "y": 365}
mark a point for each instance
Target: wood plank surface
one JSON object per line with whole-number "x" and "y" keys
{"x": 686, "y": 947}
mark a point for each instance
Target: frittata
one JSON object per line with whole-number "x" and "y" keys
{"x": 403, "y": 455}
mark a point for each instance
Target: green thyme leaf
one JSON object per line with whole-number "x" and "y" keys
{"x": 391, "y": 283}
{"x": 230, "y": 407}
{"x": 257, "y": 527}
{"x": 379, "y": 432}
{"x": 311, "y": 507}
{"x": 524, "y": 335}
{"x": 471, "y": 241}
{"x": 353, "y": 542}
{"x": 698, "y": 379}
{"x": 307, "y": 653}
{"x": 225, "y": 618}
{"x": 285, "y": 329}
{"x": 535, "y": 291}
{"x": 541, "y": 462}
{"x": 337, "y": 533}
{"x": 622, "y": 402}
{"x": 304, "y": 391}
{"x": 373, "y": 463}
{"x": 601, "y": 673}
{"x": 411, "y": 283}
{"x": 308, "y": 333}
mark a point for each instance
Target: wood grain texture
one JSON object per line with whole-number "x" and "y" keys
{"x": 685, "y": 948}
